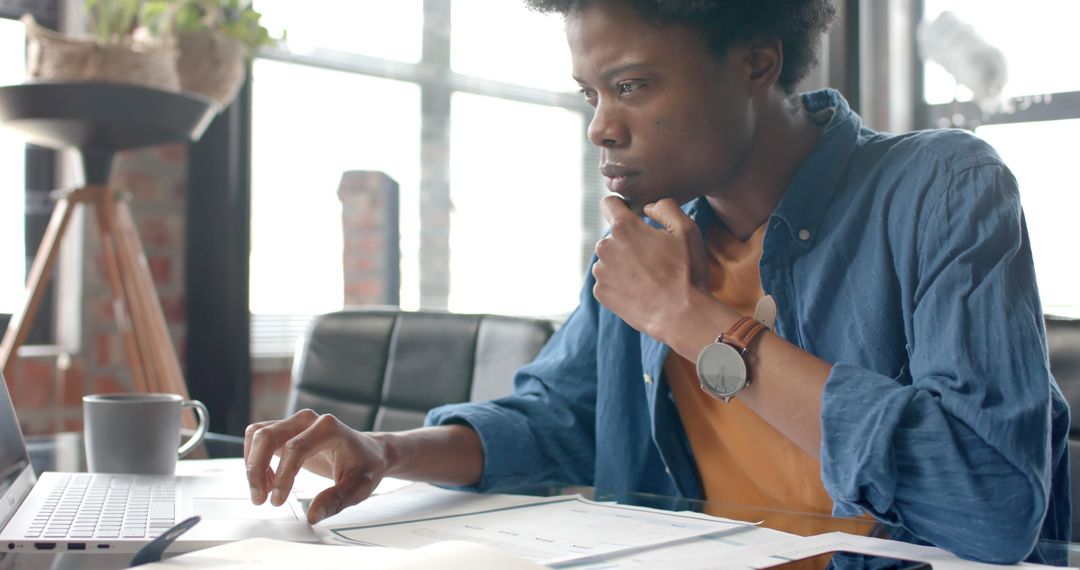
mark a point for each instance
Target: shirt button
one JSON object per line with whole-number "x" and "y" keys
{"x": 804, "y": 234}
{"x": 648, "y": 379}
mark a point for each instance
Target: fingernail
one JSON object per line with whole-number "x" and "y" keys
{"x": 254, "y": 495}
{"x": 320, "y": 514}
{"x": 276, "y": 497}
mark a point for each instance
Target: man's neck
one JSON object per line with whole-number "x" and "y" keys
{"x": 785, "y": 138}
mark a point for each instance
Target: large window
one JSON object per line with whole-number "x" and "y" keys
{"x": 375, "y": 28}
{"x": 1035, "y": 131}
{"x": 12, "y": 177}
{"x": 359, "y": 123}
{"x": 533, "y": 47}
{"x": 476, "y": 121}
{"x": 516, "y": 188}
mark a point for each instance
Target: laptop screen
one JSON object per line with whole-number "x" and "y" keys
{"x": 13, "y": 457}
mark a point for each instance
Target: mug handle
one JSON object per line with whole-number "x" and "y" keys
{"x": 200, "y": 432}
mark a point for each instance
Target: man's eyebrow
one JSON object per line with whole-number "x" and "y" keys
{"x": 619, "y": 70}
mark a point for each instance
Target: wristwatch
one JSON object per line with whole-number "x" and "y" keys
{"x": 723, "y": 367}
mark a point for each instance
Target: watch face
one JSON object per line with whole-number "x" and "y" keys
{"x": 722, "y": 370}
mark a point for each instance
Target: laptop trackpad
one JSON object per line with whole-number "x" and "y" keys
{"x": 210, "y": 532}
{"x": 240, "y": 509}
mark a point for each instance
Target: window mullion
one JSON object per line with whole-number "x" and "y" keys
{"x": 435, "y": 157}
{"x": 968, "y": 115}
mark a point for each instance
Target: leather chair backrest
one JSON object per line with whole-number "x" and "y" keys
{"x": 1063, "y": 343}
{"x": 382, "y": 368}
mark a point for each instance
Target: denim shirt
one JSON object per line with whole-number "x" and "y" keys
{"x": 904, "y": 262}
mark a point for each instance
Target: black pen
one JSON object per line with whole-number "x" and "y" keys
{"x": 154, "y": 550}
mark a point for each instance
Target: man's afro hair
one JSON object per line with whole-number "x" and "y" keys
{"x": 798, "y": 24}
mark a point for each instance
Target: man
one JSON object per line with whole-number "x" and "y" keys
{"x": 905, "y": 376}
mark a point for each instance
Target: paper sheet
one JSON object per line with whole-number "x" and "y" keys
{"x": 419, "y": 500}
{"x": 552, "y": 530}
{"x": 699, "y": 554}
{"x": 773, "y": 554}
{"x": 401, "y": 513}
{"x": 267, "y": 554}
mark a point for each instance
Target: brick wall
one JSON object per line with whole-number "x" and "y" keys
{"x": 371, "y": 249}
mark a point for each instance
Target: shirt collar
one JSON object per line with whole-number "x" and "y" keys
{"x": 816, "y": 180}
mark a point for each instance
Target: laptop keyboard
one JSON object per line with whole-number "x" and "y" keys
{"x": 106, "y": 506}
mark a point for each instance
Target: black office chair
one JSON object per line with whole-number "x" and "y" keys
{"x": 382, "y": 368}
{"x": 1063, "y": 340}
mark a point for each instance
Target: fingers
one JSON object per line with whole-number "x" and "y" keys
{"x": 250, "y": 432}
{"x": 668, "y": 214}
{"x": 353, "y": 487}
{"x": 265, "y": 438}
{"x": 614, "y": 208}
{"x": 625, "y": 224}
{"x": 321, "y": 434}
{"x": 264, "y": 479}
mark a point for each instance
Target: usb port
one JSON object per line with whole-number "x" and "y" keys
{"x": 103, "y": 547}
{"x": 44, "y": 545}
{"x": 76, "y": 546}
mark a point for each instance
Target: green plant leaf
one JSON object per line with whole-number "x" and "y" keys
{"x": 111, "y": 20}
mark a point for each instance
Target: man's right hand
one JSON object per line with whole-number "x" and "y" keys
{"x": 355, "y": 461}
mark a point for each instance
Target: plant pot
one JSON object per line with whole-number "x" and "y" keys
{"x": 212, "y": 64}
{"x": 53, "y": 56}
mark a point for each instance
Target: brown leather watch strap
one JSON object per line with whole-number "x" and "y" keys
{"x": 741, "y": 334}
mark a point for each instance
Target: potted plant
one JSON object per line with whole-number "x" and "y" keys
{"x": 216, "y": 39}
{"x": 113, "y": 54}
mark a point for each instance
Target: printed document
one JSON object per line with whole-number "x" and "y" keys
{"x": 551, "y": 531}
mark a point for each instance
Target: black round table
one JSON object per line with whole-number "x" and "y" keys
{"x": 100, "y": 119}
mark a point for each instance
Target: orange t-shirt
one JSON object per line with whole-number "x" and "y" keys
{"x": 741, "y": 458}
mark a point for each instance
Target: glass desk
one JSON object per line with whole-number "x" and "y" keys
{"x": 64, "y": 452}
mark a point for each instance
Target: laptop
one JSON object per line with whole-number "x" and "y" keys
{"x": 107, "y": 513}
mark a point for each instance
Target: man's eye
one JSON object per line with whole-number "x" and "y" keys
{"x": 629, "y": 86}
{"x": 588, "y": 94}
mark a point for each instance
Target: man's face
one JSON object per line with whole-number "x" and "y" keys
{"x": 672, "y": 119}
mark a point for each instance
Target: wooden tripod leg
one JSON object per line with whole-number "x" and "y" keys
{"x": 130, "y": 266}
{"x": 172, "y": 378}
{"x": 124, "y": 318}
{"x": 19, "y": 327}
{"x": 169, "y": 375}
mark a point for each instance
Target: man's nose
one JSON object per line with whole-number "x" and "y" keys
{"x": 607, "y": 130}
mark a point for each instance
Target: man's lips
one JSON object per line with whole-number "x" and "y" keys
{"x": 619, "y": 177}
{"x": 618, "y": 184}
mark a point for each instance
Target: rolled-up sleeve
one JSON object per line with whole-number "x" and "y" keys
{"x": 545, "y": 431}
{"x": 957, "y": 448}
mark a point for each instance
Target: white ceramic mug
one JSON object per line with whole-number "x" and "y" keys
{"x": 138, "y": 433}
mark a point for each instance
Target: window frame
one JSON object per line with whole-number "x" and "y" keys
{"x": 40, "y": 182}
{"x": 437, "y": 81}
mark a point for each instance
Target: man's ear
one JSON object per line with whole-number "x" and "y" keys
{"x": 764, "y": 60}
